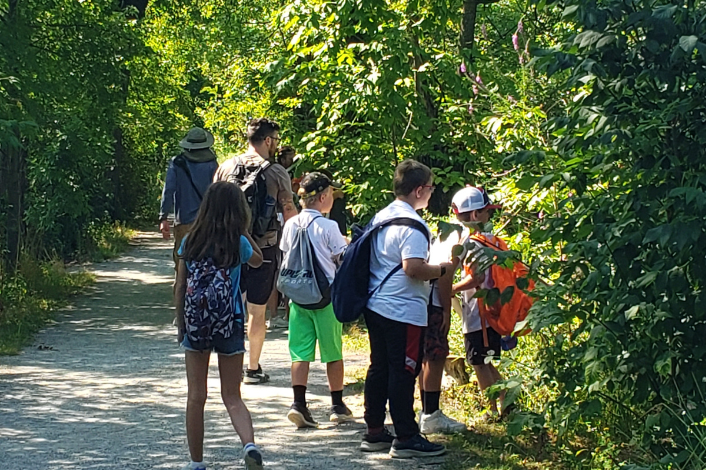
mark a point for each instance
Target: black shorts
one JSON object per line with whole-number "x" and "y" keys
{"x": 436, "y": 342}
{"x": 476, "y": 352}
{"x": 257, "y": 283}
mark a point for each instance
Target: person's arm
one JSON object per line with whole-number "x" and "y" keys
{"x": 223, "y": 170}
{"x": 472, "y": 281}
{"x": 419, "y": 269}
{"x": 285, "y": 196}
{"x": 445, "y": 286}
{"x": 167, "y": 203}
{"x": 289, "y": 210}
{"x": 256, "y": 259}
{"x": 179, "y": 295}
{"x": 337, "y": 244}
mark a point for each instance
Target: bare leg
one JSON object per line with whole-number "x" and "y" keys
{"x": 300, "y": 373}
{"x": 334, "y": 374}
{"x": 256, "y": 333}
{"x": 231, "y": 371}
{"x": 431, "y": 376}
{"x": 285, "y": 301}
{"x": 488, "y": 375}
{"x": 196, "y": 377}
{"x": 498, "y": 378}
{"x": 273, "y": 303}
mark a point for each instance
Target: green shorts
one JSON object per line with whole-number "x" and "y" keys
{"x": 307, "y": 326}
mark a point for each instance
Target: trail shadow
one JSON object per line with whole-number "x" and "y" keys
{"x": 107, "y": 390}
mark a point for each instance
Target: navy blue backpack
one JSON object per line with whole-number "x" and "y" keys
{"x": 349, "y": 292}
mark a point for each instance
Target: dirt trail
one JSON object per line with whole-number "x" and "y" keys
{"x": 104, "y": 388}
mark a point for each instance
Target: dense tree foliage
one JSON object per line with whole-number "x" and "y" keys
{"x": 583, "y": 117}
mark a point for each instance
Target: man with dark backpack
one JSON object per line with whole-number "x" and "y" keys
{"x": 189, "y": 175}
{"x": 396, "y": 314}
{"x": 312, "y": 246}
{"x": 268, "y": 189}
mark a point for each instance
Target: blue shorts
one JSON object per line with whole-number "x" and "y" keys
{"x": 235, "y": 344}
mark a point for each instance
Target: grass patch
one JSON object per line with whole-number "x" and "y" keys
{"x": 28, "y": 299}
{"x": 355, "y": 380}
{"x": 488, "y": 447}
{"x": 355, "y": 338}
{"x": 108, "y": 240}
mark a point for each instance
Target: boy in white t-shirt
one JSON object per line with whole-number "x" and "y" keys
{"x": 307, "y": 326}
{"x": 396, "y": 316}
{"x": 474, "y": 209}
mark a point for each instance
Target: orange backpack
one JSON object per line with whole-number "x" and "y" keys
{"x": 504, "y": 317}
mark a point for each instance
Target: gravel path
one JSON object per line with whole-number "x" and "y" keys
{"x": 104, "y": 388}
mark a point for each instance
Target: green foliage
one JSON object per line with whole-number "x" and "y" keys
{"x": 28, "y": 299}
{"x": 626, "y": 240}
{"x": 107, "y": 241}
{"x": 584, "y": 119}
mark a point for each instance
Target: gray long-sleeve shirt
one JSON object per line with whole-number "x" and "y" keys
{"x": 180, "y": 195}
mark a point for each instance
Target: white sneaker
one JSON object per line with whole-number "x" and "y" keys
{"x": 194, "y": 466}
{"x": 278, "y": 322}
{"x": 438, "y": 422}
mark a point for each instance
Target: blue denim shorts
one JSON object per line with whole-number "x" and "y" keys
{"x": 235, "y": 344}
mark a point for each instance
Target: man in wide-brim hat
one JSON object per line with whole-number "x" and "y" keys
{"x": 188, "y": 176}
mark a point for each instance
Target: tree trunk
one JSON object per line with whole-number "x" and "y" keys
{"x": 468, "y": 28}
{"x": 118, "y": 206}
{"x": 12, "y": 193}
{"x": 455, "y": 368}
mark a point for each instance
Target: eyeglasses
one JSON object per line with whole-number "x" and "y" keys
{"x": 430, "y": 186}
{"x": 278, "y": 139}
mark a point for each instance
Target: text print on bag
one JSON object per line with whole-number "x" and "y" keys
{"x": 303, "y": 274}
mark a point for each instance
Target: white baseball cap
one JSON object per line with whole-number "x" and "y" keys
{"x": 470, "y": 199}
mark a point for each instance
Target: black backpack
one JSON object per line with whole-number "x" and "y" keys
{"x": 350, "y": 290}
{"x": 251, "y": 180}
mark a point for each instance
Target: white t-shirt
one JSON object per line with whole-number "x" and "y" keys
{"x": 471, "y": 314}
{"x": 401, "y": 298}
{"x": 440, "y": 252}
{"x": 324, "y": 236}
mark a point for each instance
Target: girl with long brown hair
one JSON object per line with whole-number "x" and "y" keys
{"x": 210, "y": 313}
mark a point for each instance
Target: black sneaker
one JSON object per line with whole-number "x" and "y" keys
{"x": 255, "y": 376}
{"x": 299, "y": 414}
{"x": 253, "y": 459}
{"x": 417, "y": 446}
{"x": 340, "y": 414}
{"x": 377, "y": 442}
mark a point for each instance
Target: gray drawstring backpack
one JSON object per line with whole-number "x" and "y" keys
{"x": 301, "y": 277}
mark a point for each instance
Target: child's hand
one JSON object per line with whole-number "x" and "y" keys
{"x": 180, "y": 335}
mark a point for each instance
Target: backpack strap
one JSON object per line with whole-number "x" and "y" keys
{"x": 312, "y": 221}
{"x": 180, "y": 162}
{"x": 484, "y": 241}
{"x": 405, "y": 221}
{"x": 238, "y": 163}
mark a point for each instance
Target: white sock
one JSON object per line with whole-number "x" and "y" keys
{"x": 247, "y": 447}
{"x": 197, "y": 464}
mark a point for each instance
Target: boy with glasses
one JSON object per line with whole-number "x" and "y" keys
{"x": 396, "y": 316}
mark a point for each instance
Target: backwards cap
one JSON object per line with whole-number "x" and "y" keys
{"x": 470, "y": 199}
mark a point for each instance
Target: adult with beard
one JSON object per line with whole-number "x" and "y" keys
{"x": 252, "y": 168}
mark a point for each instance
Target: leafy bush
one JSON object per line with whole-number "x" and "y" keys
{"x": 28, "y": 298}
{"x": 627, "y": 305}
